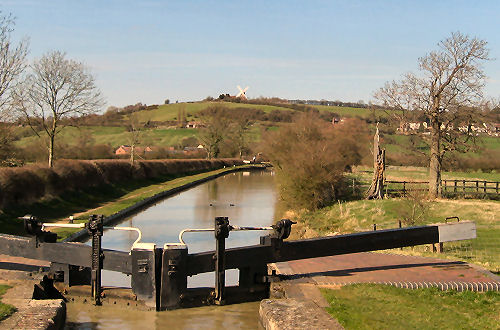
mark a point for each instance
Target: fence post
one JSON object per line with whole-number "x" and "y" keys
{"x": 455, "y": 188}
{"x": 400, "y": 227}
{"x": 497, "y": 187}
{"x": 404, "y": 188}
{"x": 477, "y": 185}
{"x": 464, "y": 187}
{"x": 485, "y": 187}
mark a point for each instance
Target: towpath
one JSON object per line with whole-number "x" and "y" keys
{"x": 370, "y": 267}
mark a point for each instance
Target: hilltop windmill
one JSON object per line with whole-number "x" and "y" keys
{"x": 242, "y": 92}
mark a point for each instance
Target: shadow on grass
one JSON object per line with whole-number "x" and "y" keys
{"x": 73, "y": 202}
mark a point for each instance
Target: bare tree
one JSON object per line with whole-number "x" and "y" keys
{"x": 214, "y": 133}
{"x": 448, "y": 86}
{"x": 12, "y": 64}
{"x": 57, "y": 88}
{"x": 238, "y": 134}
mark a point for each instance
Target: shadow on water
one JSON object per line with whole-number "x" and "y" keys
{"x": 241, "y": 316}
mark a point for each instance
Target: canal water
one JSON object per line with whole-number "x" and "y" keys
{"x": 246, "y": 198}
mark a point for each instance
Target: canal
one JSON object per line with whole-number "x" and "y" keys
{"x": 247, "y": 198}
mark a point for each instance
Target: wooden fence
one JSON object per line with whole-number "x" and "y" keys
{"x": 449, "y": 187}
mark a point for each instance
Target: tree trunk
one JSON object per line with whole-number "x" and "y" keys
{"x": 52, "y": 137}
{"x": 376, "y": 190}
{"x": 51, "y": 150}
{"x": 435, "y": 161}
{"x": 132, "y": 152}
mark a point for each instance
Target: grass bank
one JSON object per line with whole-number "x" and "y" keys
{"x": 75, "y": 186}
{"x": 5, "y": 310}
{"x": 361, "y": 215}
{"x": 370, "y": 306}
{"x": 108, "y": 203}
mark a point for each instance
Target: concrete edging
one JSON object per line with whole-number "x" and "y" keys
{"x": 30, "y": 313}
{"x": 80, "y": 235}
{"x": 282, "y": 314}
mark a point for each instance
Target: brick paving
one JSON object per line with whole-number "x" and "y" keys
{"x": 380, "y": 267}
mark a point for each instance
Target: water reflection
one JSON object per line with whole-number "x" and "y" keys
{"x": 247, "y": 198}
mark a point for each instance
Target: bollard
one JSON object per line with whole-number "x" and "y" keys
{"x": 173, "y": 276}
{"x": 95, "y": 229}
{"x": 221, "y": 233}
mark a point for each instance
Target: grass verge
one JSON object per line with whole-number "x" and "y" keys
{"x": 360, "y": 215}
{"x": 372, "y": 306}
{"x": 5, "y": 310}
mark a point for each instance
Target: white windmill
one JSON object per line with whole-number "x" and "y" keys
{"x": 242, "y": 92}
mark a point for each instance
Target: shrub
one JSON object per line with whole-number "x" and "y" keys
{"x": 310, "y": 157}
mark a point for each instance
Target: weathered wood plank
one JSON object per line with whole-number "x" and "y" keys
{"x": 449, "y": 232}
{"x": 65, "y": 253}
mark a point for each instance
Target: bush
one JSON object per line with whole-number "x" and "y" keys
{"x": 486, "y": 161}
{"x": 310, "y": 157}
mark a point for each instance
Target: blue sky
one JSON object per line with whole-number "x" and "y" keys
{"x": 147, "y": 51}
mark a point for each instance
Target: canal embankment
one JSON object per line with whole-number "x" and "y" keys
{"x": 51, "y": 312}
{"x": 73, "y": 186}
{"x": 136, "y": 201}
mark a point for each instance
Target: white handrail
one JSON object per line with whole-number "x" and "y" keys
{"x": 63, "y": 225}
{"x": 231, "y": 228}
{"x": 82, "y": 225}
{"x": 129, "y": 229}
{"x": 192, "y": 230}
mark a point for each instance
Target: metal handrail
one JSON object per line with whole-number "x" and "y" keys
{"x": 82, "y": 225}
{"x": 231, "y": 228}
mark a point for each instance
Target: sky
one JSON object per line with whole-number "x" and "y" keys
{"x": 151, "y": 50}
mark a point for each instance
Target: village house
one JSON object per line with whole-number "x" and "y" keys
{"x": 195, "y": 124}
{"x": 126, "y": 150}
{"x": 492, "y": 129}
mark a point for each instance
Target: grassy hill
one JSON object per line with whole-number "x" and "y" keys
{"x": 165, "y": 134}
{"x": 116, "y": 136}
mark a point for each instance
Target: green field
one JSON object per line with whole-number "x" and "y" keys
{"x": 371, "y": 306}
{"x": 116, "y": 136}
{"x": 415, "y": 173}
{"x": 353, "y": 112}
{"x": 170, "y": 111}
